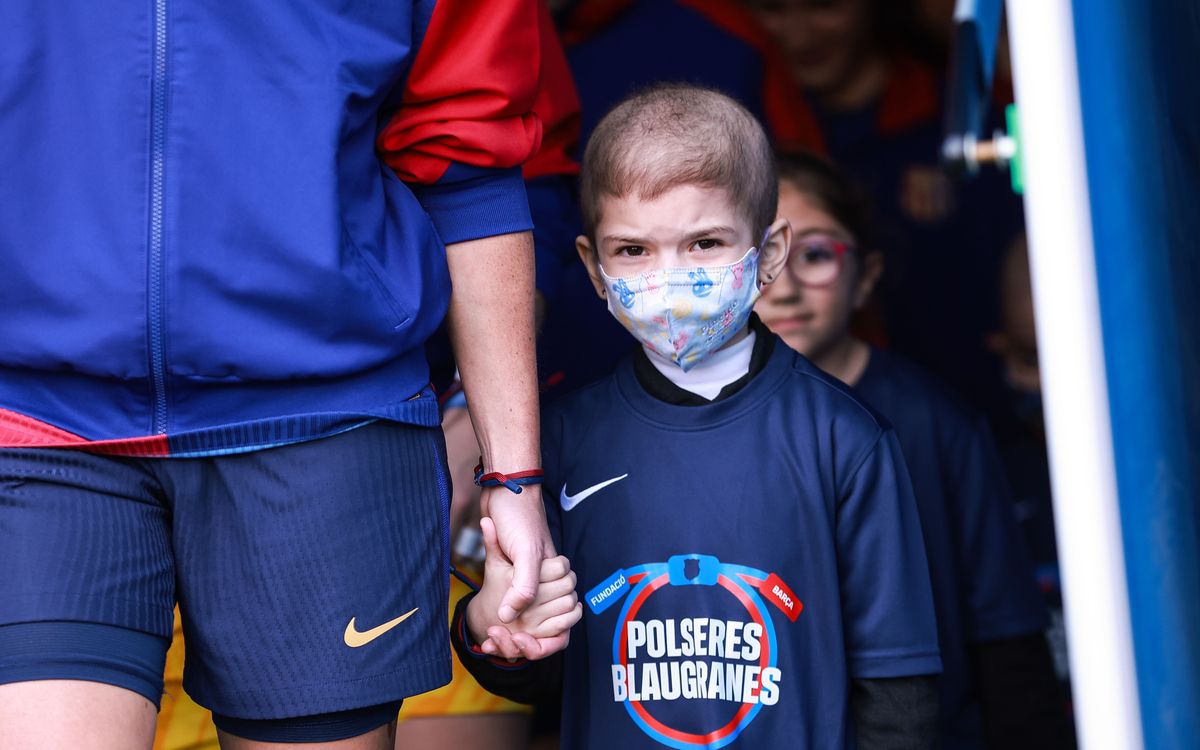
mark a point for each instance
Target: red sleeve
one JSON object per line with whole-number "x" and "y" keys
{"x": 470, "y": 93}
{"x": 557, "y": 106}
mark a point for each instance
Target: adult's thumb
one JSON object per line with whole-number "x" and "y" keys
{"x": 523, "y": 589}
{"x": 491, "y": 543}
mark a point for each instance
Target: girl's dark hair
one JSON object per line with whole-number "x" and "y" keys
{"x": 835, "y": 193}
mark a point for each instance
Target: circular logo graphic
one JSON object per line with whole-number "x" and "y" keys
{"x": 744, "y": 584}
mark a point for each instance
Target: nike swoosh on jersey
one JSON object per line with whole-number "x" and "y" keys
{"x": 570, "y": 501}
{"x": 354, "y": 639}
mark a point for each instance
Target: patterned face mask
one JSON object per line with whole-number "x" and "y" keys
{"x": 686, "y": 314}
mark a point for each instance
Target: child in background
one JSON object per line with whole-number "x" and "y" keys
{"x": 875, "y": 80}
{"x": 1023, "y": 442}
{"x": 743, "y": 527}
{"x": 997, "y": 687}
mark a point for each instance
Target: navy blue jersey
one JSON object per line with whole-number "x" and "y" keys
{"x": 982, "y": 584}
{"x": 741, "y": 561}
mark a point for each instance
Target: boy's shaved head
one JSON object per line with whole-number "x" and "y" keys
{"x": 675, "y": 134}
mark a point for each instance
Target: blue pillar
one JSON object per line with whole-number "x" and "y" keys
{"x": 1139, "y": 81}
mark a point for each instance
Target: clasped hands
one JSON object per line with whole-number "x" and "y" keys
{"x": 540, "y": 629}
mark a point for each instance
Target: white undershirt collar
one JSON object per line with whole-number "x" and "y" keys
{"x": 707, "y": 378}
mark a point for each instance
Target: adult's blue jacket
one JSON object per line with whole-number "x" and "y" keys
{"x": 222, "y": 225}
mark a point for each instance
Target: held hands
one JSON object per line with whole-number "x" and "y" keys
{"x": 523, "y": 539}
{"x": 542, "y": 627}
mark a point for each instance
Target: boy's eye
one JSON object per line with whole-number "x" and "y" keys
{"x": 707, "y": 244}
{"x": 632, "y": 251}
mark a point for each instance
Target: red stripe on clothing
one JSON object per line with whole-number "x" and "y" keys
{"x": 20, "y": 431}
{"x": 557, "y": 106}
{"x": 470, "y": 92}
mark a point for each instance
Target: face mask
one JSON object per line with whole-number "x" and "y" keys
{"x": 686, "y": 314}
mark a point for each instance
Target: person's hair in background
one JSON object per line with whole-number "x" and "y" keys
{"x": 832, "y": 268}
{"x": 671, "y": 135}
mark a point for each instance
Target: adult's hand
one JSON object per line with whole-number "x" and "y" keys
{"x": 523, "y": 538}
{"x": 544, "y": 627}
{"x": 492, "y": 332}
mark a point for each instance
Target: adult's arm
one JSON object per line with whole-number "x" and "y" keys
{"x": 464, "y": 124}
{"x": 491, "y": 330}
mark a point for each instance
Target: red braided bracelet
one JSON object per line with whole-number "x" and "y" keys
{"x": 512, "y": 482}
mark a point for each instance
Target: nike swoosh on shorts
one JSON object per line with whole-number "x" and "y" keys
{"x": 354, "y": 639}
{"x": 570, "y": 501}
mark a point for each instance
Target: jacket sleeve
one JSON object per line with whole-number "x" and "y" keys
{"x": 521, "y": 681}
{"x": 550, "y": 176}
{"x": 466, "y": 120}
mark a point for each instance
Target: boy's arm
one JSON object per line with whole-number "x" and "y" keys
{"x": 895, "y": 713}
{"x": 887, "y": 603}
{"x": 521, "y": 681}
{"x": 545, "y": 629}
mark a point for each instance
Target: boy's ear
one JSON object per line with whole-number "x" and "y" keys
{"x": 591, "y": 261}
{"x": 772, "y": 256}
{"x": 868, "y": 277}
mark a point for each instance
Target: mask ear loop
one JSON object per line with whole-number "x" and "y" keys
{"x": 762, "y": 243}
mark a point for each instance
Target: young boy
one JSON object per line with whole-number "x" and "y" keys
{"x": 743, "y": 529}
{"x": 997, "y": 685}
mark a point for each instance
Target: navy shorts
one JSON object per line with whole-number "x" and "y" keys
{"x": 312, "y": 578}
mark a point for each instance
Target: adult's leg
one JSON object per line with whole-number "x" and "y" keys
{"x": 73, "y": 714}
{"x": 313, "y": 583}
{"x": 378, "y": 739}
{"x": 483, "y": 732}
{"x": 85, "y": 600}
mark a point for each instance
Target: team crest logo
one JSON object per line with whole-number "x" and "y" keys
{"x": 661, "y": 666}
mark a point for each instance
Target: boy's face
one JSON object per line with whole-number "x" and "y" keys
{"x": 688, "y": 225}
{"x": 813, "y": 320}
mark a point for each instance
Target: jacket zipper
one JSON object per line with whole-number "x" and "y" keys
{"x": 155, "y": 273}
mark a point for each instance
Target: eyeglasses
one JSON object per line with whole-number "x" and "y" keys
{"x": 817, "y": 261}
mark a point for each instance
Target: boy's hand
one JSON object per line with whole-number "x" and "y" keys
{"x": 539, "y": 630}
